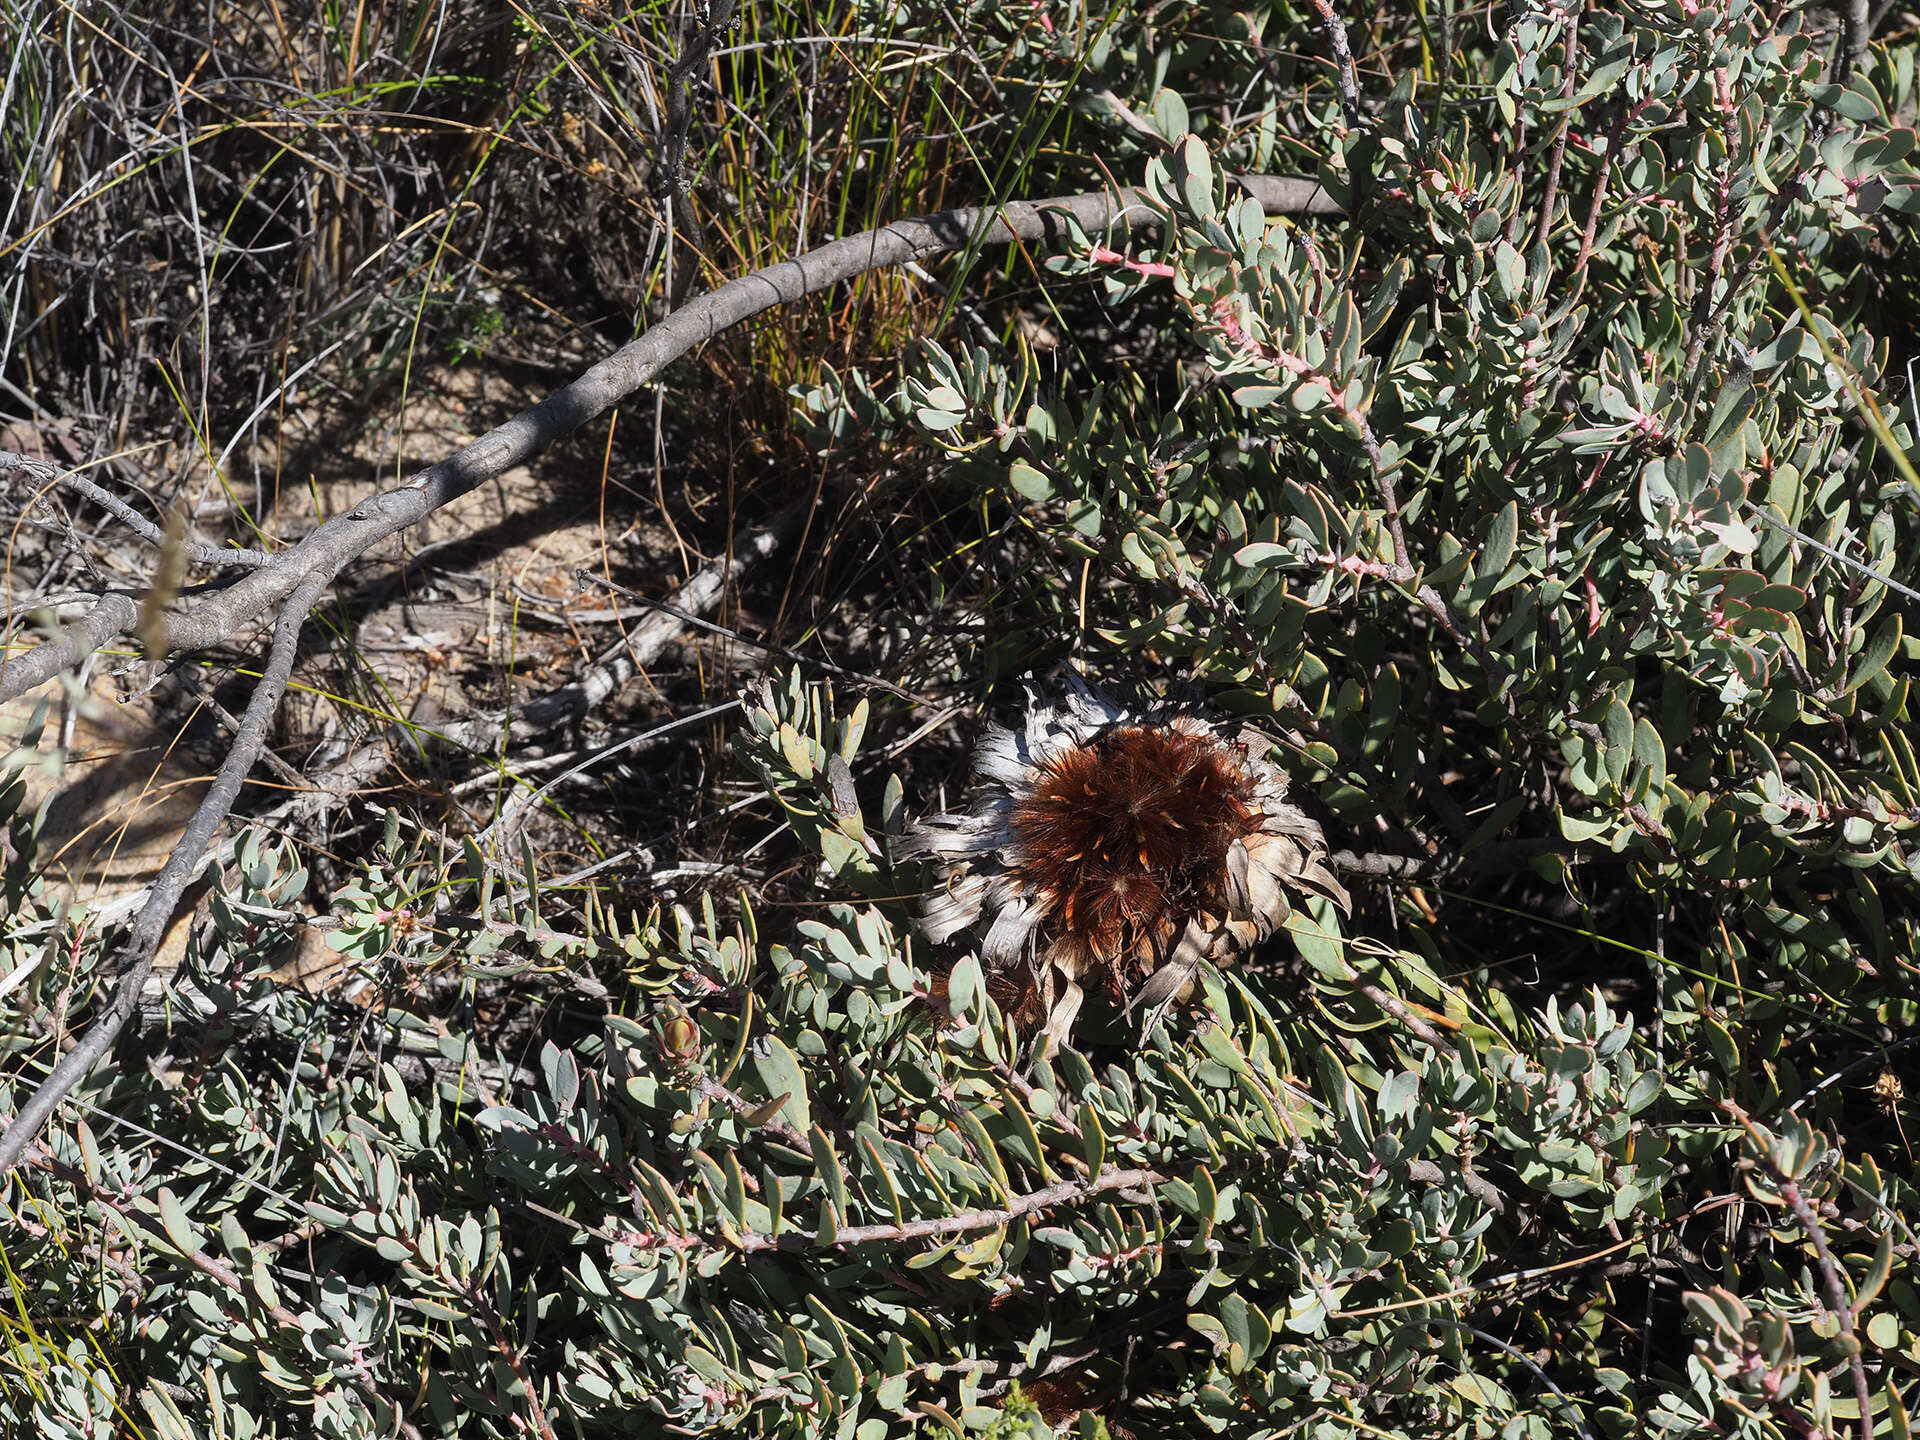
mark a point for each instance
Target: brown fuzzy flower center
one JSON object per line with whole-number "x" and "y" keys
{"x": 1128, "y": 836}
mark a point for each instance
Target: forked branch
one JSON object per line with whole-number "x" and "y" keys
{"x": 295, "y": 579}
{"x": 136, "y": 955}
{"x": 333, "y": 545}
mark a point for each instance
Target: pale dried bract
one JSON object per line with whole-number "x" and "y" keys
{"x": 1117, "y": 847}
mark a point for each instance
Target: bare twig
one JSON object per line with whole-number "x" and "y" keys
{"x": 339, "y": 780}
{"x": 199, "y": 552}
{"x": 1828, "y": 1272}
{"x": 565, "y": 705}
{"x": 1882, "y": 1055}
{"x": 1708, "y": 315}
{"x": 1769, "y": 518}
{"x": 643, "y": 644}
{"x": 1385, "y": 866}
{"x": 1389, "y": 494}
{"x": 674, "y": 612}
{"x": 136, "y": 956}
{"x": 1142, "y": 127}
{"x": 1544, "y": 226}
{"x": 679, "y": 117}
{"x": 1500, "y": 857}
{"x": 1404, "y": 572}
{"x": 1571, "y": 1410}
{"x": 1615, "y": 135}
{"x": 1068, "y": 1192}
{"x": 670, "y": 179}
{"x": 1343, "y": 73}
{"x": 511, "y": 814}
{"x": 711, "y": 1089}
{"x": 1879, "y": 16}
{"x": 1396, "y": 1007}
{"x": 290, "y": 776}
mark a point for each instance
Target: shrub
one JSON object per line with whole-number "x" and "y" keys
{"x": 1553, "y": 510}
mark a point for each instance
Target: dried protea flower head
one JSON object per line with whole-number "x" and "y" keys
{"x": 1118, "y": 847}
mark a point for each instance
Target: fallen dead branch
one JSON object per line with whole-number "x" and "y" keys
{"x": 293, "y": 581}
